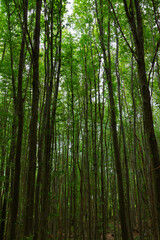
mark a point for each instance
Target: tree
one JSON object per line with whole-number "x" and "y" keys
{"x": 79, "y": 116}
{"x": 135, "y": 20}
{"x": 15, "y": 201}
{"x": 33, "y": 126}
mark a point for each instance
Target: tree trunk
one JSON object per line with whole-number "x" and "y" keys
{"x": 15, "y": 200}
{"x": 137, "y": 31}
{"x": 107, "y": 66}
{"x": 86, "y": 150}
{"x": 95, "y": 148}
{"x": 49, "y": 138}
{"x": 33, "y": 127}
{"x": 73, "y": 152}
{"x": 124, "y": 139}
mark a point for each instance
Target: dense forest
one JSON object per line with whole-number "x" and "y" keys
{"x": 79, "y": 120}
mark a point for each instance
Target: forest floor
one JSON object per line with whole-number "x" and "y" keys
{"x": 110, "y": 236}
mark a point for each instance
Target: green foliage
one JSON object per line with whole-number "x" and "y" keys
{"x": 82, "y": 65}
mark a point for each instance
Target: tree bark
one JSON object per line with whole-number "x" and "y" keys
{"x": 124, "y": 139}
{"x": 15, "y": 200}
{"x": 107, "y": 66}
{"x": 33, "y": 127}
{"x": 95, "y": 147}
{"x": 137, "y": 31}
{"x": 86, "y": 149}
{"x": 49, "y": 138}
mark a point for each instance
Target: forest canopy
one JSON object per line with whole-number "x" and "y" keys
{"x": 79, "y": 119}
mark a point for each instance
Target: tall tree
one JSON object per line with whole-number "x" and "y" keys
{"x": 15, "y": 201}
{"x": 124, "y": 139}
{"x": 49, "y": 136}
{"x": 107, "y": 67}
{"x": 81, "y": 132}
{"x": 135, "y": 20}
{"x": 33, "y": 126}
{"x": 87, "y": 147}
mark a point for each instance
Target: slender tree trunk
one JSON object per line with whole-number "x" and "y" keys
{"x": 66, "y": 188}
{"x": 49, "y": 138}
{"x": 73, "y": 152}
{"x": 15, "y": 200}
{"x": 101, "y": 114}
{"x": 44, "y": 141}
{"x": 81, "y": 170}
{"x": 67, "y": 174}
{"x": 6, "y": 184}
{"x": 107, "y": 174}
{"x": 107, "y": 64}
{"x": 95, "y": 149}
{"x": 124, "y": 140}
{"x": 3, "y": 125}
{"x": 137, "y": 31}
{"x": 86, "y": 150}
{"x": 12, "y": 153}
{"x": 33, "y": 127}
{"x": 49, "y": 88}
{"x": 135, "y": 154}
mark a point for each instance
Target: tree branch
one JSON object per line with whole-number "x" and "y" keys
{"x": 119, "y": 26}
{"x": 153, "y": 61}
{"x": 24, "y": 25}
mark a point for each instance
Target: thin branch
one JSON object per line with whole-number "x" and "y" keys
{"x": 24, "y": 25}
{"x": 119, "y": 26}
{"x": 25, "y": 94}
{"x": 155, "y": 15}
{"x": 153, "y": 61}
{"x": 154, "y": 169}
{"x": 4, "y": 49}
